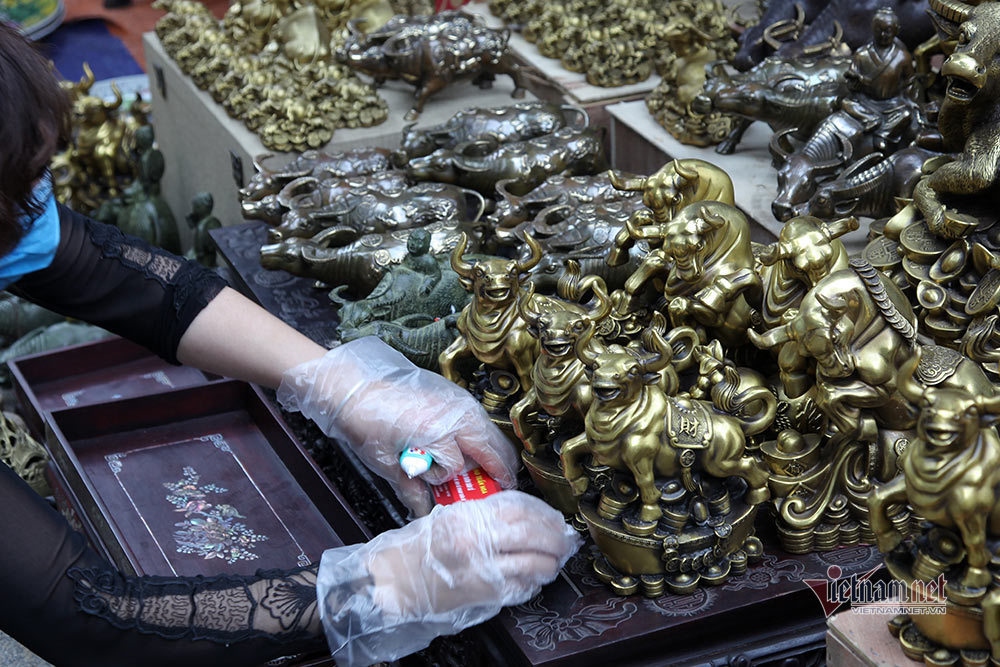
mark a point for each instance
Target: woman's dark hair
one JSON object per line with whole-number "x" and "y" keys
{"x": 35, "y": 122}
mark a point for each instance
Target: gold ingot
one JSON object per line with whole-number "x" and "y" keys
{"x": 942, "y": 657}
{"x": 915, "y": 271}
{"x": 684, "y": 583}
{"x": 716, "y": 574}
{"x": 943, "y": 328}
{"x": 624, "y": 586}
{"x": 951, "y": 263}
{"x": 791, "y": 453}
{"x": 920, "y": 244}
{"x": 975, "y": 658}
{"x": 915, "y": 646}
{"x": 930, "y": 295}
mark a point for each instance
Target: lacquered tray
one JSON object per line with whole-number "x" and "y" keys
{"x": 108, "y": 369}
{"x": 199, "y": 480}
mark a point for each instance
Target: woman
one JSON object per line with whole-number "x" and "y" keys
{"x": 446, "y": 570}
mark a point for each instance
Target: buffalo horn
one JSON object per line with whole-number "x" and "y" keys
{"x": 459, "y": 265}
{"x": 623, "y": 182}
{"x": 531, "y": 260}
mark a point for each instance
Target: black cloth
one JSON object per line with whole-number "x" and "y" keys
{"x": 63, "y": 600}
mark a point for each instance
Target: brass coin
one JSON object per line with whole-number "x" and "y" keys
{"x": 882, "y": 253}
{"x": 986, "y": 295}
{"x": 920, "y": 244}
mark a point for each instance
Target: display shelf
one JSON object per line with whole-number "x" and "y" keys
{"x": 550, "y": 81}
{"x": 573, "y": 85}
{"x": 863, "y": 640}
{"x": 205, "y": 149}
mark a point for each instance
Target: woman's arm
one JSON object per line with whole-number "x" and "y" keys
{"x": 236, "y": 338}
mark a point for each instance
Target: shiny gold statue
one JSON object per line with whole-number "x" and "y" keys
{"x": 709, "y": 269}
{"x": 490, "y": 327}
{"x": 102, "y": 160}
{"x": 950, "y": 473}
{"x": 665, "y": 192}
{"x": 670, "y": 490}
{"x": 553, "y": 409}
{"x": 807, "y": 250}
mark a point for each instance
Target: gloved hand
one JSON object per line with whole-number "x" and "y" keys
{"x": 370, "y": 396}
{"x": 439, "y": 574}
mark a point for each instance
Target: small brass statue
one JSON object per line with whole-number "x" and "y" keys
{"x": 880, "y": 115}
{"x": 344, "y": 257}
{"x": 491, "y": 329}
{"x": 708, "y": 269}
{"x": 431, "y": 52}
{"x": 695, "y": 37}
{"x": 417, "y": 285}
{"x": 785, "y": 93}
{"x": 949, "y": 478}
{"x": 552, "y": 410}
{"x": 202, "y": 222}
{"x": 271, "y": 65}
{"x": 670, "y": 492}
{"x": 483, "y": 163}
{"x": 807, "y": 250}
{"x": 515, "y": 122}
{"x": 966, "y": 120}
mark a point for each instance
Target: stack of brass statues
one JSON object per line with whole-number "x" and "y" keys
{"x": 671, "y": 383}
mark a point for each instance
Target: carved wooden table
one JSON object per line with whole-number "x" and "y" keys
{"x": 767, "y": 616}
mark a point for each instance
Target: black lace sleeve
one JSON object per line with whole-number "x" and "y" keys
{"x": 71, "y": 607}
{"x": 122, "y": 284}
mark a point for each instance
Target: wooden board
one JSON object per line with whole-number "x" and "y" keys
{"x": 201, "y": 480}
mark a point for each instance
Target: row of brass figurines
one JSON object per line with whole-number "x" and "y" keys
{"x": 871, "y": 417}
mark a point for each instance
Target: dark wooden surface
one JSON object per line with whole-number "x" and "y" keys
{"x": 767, "y": 616}
{"x": 119, "y": 458}
{"x": 108, "y": 369}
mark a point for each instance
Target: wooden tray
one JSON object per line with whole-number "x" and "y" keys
{"x": 108, "y": 369}
{"x": 200, "y": 480}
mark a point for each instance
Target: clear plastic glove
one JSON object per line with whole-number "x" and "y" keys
{"x": 370, "y": 396}
{"x": 438, "y": 575}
